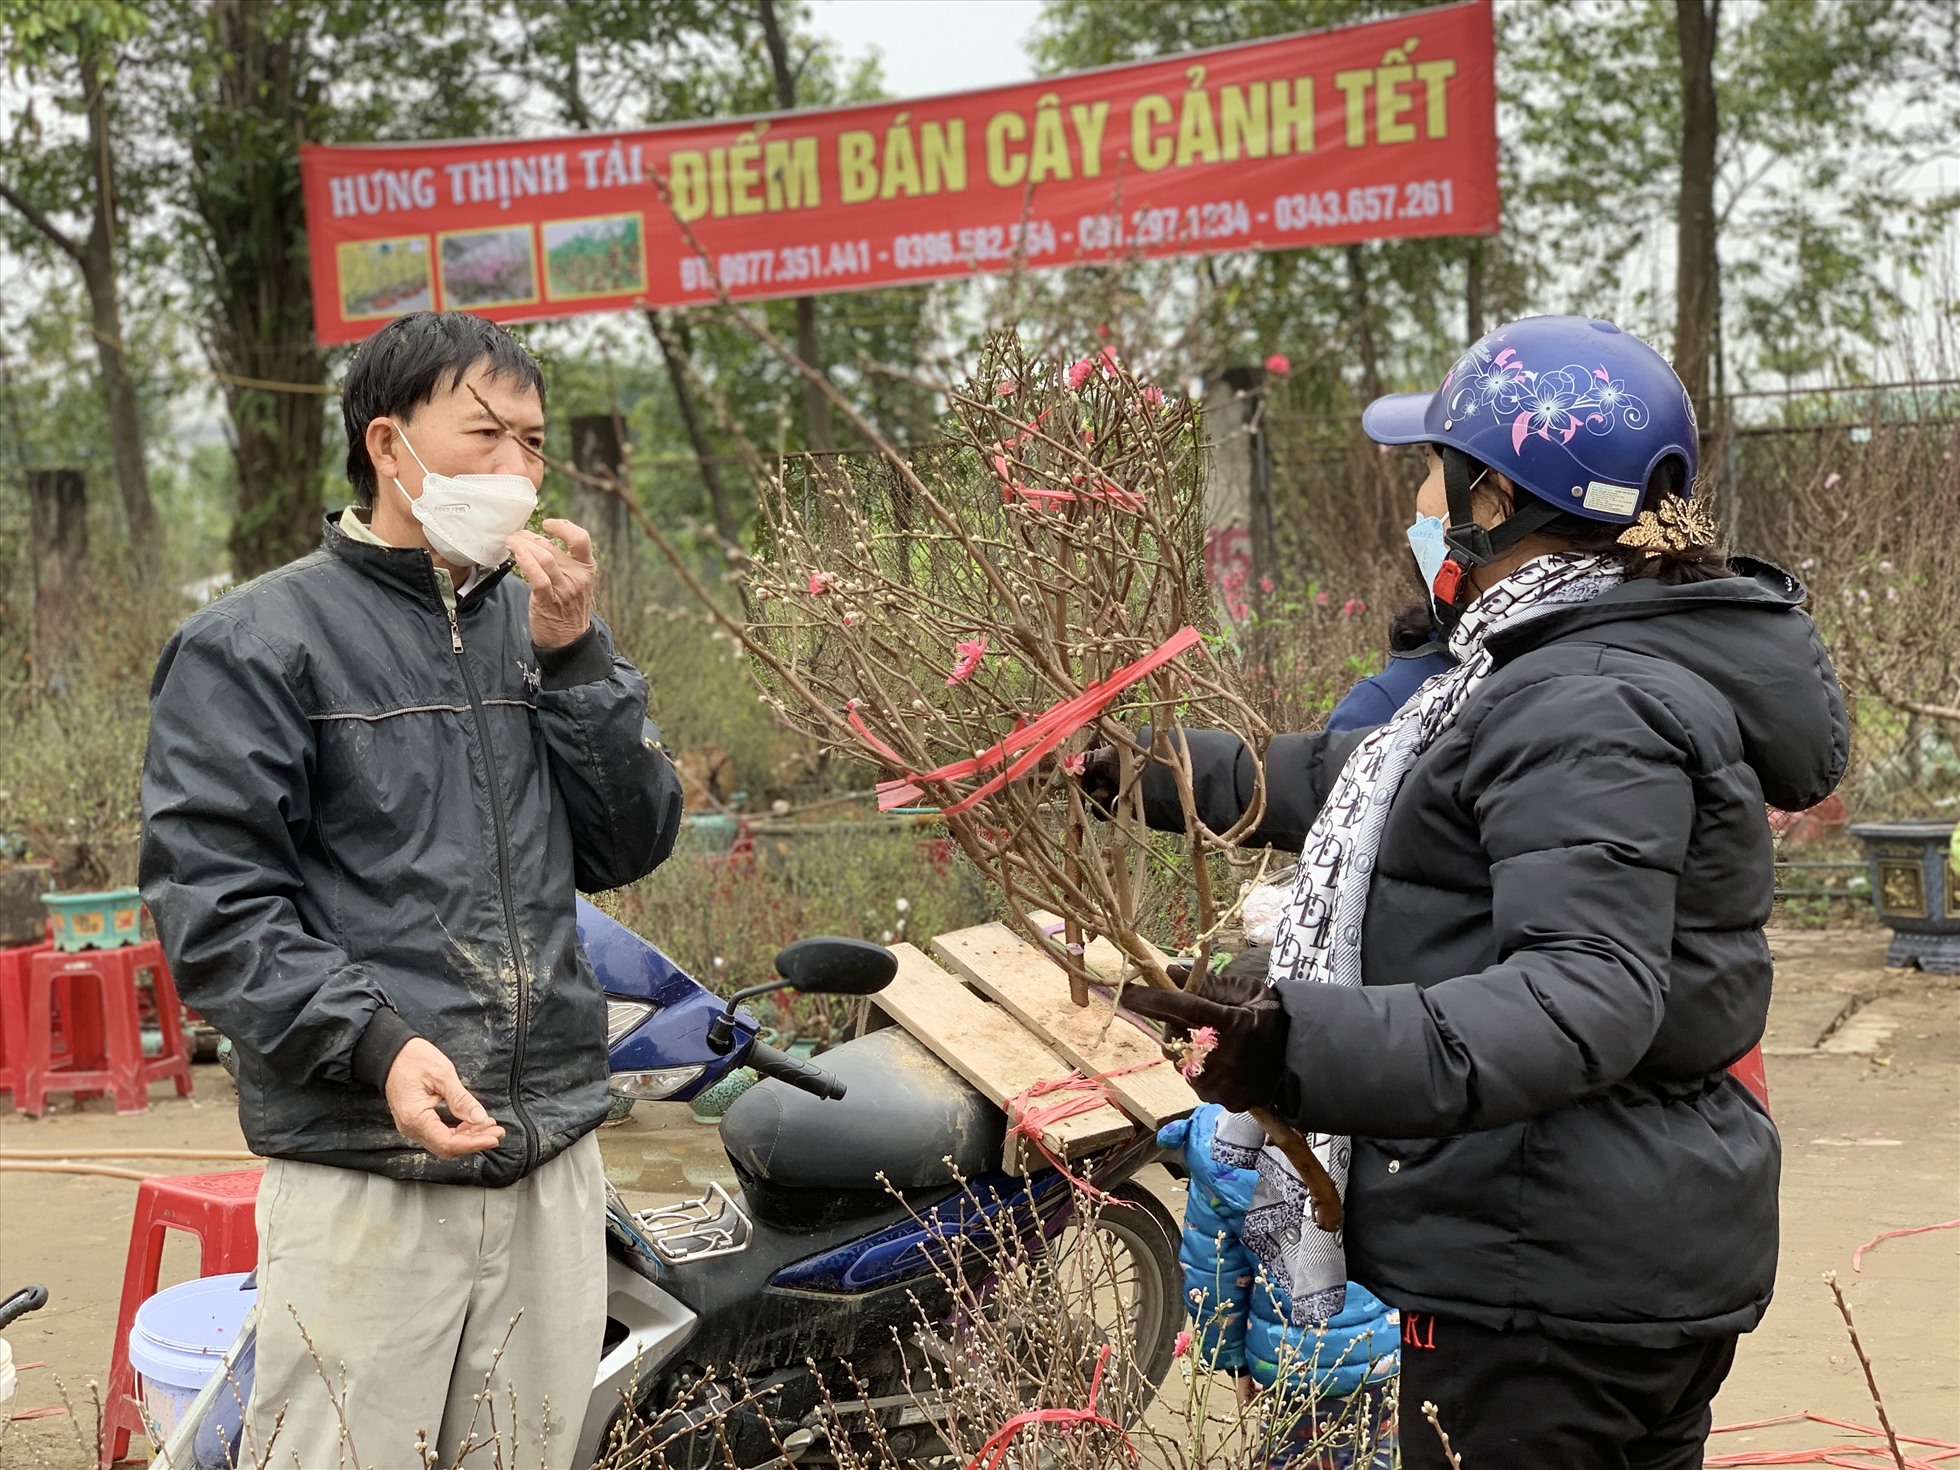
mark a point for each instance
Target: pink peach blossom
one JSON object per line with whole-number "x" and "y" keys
{"x": 971, "y": 651}
{"x": 1203, "y": 1042}
{"x": 1278, "y": 364}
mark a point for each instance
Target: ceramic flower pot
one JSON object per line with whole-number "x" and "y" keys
{"x": 1916, "y": 891}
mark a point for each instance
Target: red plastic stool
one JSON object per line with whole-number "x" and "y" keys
{"x": 221, "y": 1211}
{"x": 70, "y": 1018}
{"x": 118, "y": 1064}
{"x": 13, "y": 1011}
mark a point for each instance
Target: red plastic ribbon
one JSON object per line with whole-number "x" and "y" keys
{"x": 1087, "y": 1094}
{"x": 1100, "y": 490}
{"x": 864, "y": 733}
{"x": 1033, "y": 740}
{"x": 1858, "y": 1256}
{"x": 1009, "y": 485}
{"x": 993, "y": 1454}
{"x": 1868, "y": 1457}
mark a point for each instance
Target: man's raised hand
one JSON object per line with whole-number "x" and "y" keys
{"x": 562, "y": 578}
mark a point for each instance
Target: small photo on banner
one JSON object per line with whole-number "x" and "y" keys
{"x": 489, "y": 268}
{"x": 384, "y": 278}
{"x": 604, "y": 255}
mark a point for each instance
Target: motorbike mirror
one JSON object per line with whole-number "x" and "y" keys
{"x": 830, "y": 966}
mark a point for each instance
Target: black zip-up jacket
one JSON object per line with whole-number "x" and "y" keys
{"x": 1562, "y": 954}
{"x": 364, "y": 821}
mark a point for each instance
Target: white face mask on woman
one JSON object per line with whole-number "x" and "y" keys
{"x": 468, "y": 518}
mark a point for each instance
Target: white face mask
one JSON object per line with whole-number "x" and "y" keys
{"x": 468, "y": 518}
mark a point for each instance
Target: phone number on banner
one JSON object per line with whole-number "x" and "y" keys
{"x": 981, "y": 245}
{"x": 791, "y": 264}
{"x": 1218, "y": 219}
{"x": 1428, "y": 199}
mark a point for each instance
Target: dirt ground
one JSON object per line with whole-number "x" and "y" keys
{"x": 1864, "y": 1072}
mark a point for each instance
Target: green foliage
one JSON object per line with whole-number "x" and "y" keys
{"x": 701, "y": 697}
{"x": 40, "y": 31}
{"x": 723, "y": 918}
{"x": 1824, "y": 107}
{"x": 71, "y": 760}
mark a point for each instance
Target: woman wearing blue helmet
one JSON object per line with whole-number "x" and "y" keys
{"x": 1526, "y": 937}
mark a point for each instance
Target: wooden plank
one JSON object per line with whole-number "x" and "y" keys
{"x": 1034, "y": 989}
{"x": 988, "y": 1047}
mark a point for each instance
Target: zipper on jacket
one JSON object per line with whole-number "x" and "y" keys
{"x": 504, "y": 885}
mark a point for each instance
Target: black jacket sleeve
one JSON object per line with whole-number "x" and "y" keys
{"x": 1584, "y": 801}
{"x": 620, "y": 791}
{"x": 1300, "y": 770}
{"x": 227, "y": 802}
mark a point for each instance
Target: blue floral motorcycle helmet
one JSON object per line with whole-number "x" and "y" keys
{"x": 1572, "y": 410}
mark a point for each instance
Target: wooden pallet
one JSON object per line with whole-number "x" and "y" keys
{"x": 1034, "y": 990}
{"x": 1002, "y": 1019}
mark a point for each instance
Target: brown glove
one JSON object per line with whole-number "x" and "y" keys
{"x": 1100, "y": 778}
{"x": 1242, "y": 1069}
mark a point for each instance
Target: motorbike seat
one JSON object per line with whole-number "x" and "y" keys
{"x": 905, "y": 1116}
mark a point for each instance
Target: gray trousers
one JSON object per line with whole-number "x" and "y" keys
{"x": 408, "y": 1292}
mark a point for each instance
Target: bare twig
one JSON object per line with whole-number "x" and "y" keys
{"x": 1436, "y": 1423}
{"x": 1865, "y": 1362}
{"x": 338, "y": 1400}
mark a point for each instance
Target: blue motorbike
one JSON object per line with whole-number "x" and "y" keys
{"x": 820, "y": 1308}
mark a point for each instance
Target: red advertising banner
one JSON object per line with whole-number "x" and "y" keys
{"x": 1373, "y": 131}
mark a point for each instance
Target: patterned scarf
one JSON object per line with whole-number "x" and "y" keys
{"x": 1319, "y": 936}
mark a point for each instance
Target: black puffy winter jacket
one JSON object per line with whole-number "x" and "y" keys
{"x": 365, "y": 821}
{"x": 1563, "y": 952}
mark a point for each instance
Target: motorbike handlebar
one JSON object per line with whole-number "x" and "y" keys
{"x": 786, "y": 1068}
{"x": 27, "y": 1299}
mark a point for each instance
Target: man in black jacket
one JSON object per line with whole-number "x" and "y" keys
{"x": 376, "y": 779}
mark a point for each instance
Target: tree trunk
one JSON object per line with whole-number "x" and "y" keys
{"x": 673, "y": 352}
{"x": 277, "y": 453}
{"x": 816, "y": 412}
{"x": 1473, "y": 291}
{"x": 1364, "y": 328}
{"x": 1696, "y": 283}
{"x": 95, "y": 257}
{"x": 246, "y": 185}
{"x": 596, "y": 451}
{"x": 105, "y": 313}
{"x": 58, "y": 534}
{"x": 1234, "y": 484}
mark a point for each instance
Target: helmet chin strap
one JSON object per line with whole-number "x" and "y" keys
{"x": 1472, "y": 545}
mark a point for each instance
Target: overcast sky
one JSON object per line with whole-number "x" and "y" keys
{"x": 933, "y": 46}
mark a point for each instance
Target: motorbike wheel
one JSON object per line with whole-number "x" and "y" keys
{"x": 1126, "y": 1265}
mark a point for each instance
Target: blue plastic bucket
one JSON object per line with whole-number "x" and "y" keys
{"x": 179, "y": 1341}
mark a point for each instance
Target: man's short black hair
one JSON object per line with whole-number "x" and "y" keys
{"x": 409, "y": 361}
